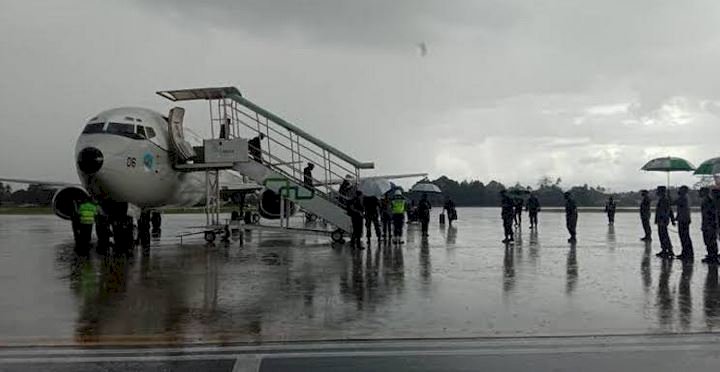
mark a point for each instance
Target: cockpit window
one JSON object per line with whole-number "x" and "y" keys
{"x": 150, "y": 132}
{"x": 93, "y": 128}
{"x": 140, "y": 130}
{"x": 126, "y": 130}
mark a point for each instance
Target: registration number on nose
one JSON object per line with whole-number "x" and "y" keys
{"x": 131, "y": 162}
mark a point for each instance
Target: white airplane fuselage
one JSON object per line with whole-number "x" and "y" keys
{"x": 125, "y": 155}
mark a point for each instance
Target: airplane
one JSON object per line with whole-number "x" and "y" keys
{"x": 126, "y": 161}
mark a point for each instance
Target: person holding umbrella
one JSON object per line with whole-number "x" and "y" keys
{"x": 664, "y": 216}
{"x": 423, "y": 209}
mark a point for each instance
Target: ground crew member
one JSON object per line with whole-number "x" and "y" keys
{"x": 371, "y": 205}
{"x": 451, "y": 211}
{"x": 507, "y": 213}
{"x": 386, "y": 217}
{"x": 356, "y": 212}
{"x": 709, "y": 225}
{"x": 610, "y": 207}
{"x": 533, "y": 207}
{"x": 86, "y": 218}
{"x": 307, "y": 175}
{"x": 683, "y": 220}
{"x": 398, "y": 206}
{"x": 571, "y": 217}
{"x": 664, "y": 216}
{"x": 424, "y": 208}
{"x": 645, "y": 215}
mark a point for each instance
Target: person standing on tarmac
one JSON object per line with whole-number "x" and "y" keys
{"x": 571, "y": 216}
{"x": 86, "y": 218}
{"x": 386, "y": 217}
{"x": 518, "y": 208}
{"x": 715, "y": 193}
{"x": 451, "y": 211}
{"x": 398, "y": 206}
{"x": 664, "y": 216}
{"x": 372, "y": 211}
{"x": 507, "y": 212}
{"x": 645, "y": 215}
{"x": 424, "y": 208}
{"x": 683, "y": 221}
{"x": 709, "y": 225}
{"x": 356, "y": 212}
{"x": 610, "y": 207}
{"x": 533, "y": 207}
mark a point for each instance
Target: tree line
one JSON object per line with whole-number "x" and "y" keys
{"x": 34, "y": 194}
{"x": 548, "y": 191}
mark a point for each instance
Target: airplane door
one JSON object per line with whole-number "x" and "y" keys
{"x": 183, "y": 149}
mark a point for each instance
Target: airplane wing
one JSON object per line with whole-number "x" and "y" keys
{"x": 40, "y": 182}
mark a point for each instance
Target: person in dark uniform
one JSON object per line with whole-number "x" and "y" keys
{"x": 255, "y": 147}
{"x": 345, "y": 191}
{"x": 683, "y": 221}
{"x": 424, "y": 208}
{"x": 507, "y": 212}
{"x": 451, "y": 211}
{"x": 518, "y": 211}
{"x": 709, "y": 225}
{"x": 371, "y": 204}
{"x": 571, "y": 216}
{"x": 356, "y": 212}
{"x": 533, "y": 207}
{"x": 715, "y": 194}
{"x": 610, "y": 207}
{"x": 386, "y": 217}
{"x": 645, "y": 215}
{"x": 307, "y": 175}
{"x": 663, "y": 217}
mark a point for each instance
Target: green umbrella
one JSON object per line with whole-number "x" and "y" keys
{"x": 668, "y": 164}
{"x": 708, "y": 167}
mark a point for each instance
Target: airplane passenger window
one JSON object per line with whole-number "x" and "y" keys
{"x": 140, "y": 130}
{"x": 93, "y": 128}
{"x": 150, "y": 132}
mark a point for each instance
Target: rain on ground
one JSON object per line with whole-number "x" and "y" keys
{"x": 461, "y": 282}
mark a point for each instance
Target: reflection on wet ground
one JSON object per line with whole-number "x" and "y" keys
{"x": 460, "y": 282}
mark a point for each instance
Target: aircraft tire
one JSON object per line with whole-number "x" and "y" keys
{"x": 337, "y": 236}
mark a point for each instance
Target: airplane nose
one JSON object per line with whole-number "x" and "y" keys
{"x": 90, "y": 160}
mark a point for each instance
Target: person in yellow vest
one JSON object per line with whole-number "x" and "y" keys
{"x": 398, "y": 206}
{"x": 86, "y": 218}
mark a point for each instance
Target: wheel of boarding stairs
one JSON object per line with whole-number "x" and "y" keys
{"x": 337, "y": 236}
{"x": 209, "y": 236}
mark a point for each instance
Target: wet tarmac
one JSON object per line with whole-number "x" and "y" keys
{"x": 461, "y": 282}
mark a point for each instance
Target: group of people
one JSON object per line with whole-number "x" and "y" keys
{"x": 371, "y": 212}
{"x": 664, "y": 216}
{"x": 511, "y": 212}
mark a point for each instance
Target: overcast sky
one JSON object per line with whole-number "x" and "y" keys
{"x": 509, "y": 90}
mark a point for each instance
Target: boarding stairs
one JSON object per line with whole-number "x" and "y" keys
{"x": 284, "y": 152}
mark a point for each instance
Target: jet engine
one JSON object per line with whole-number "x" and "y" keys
{"x": 269, "y": 205}
{"x": 66, "y": 199}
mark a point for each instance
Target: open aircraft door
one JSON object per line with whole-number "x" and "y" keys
{"x": 183, "y": 150}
